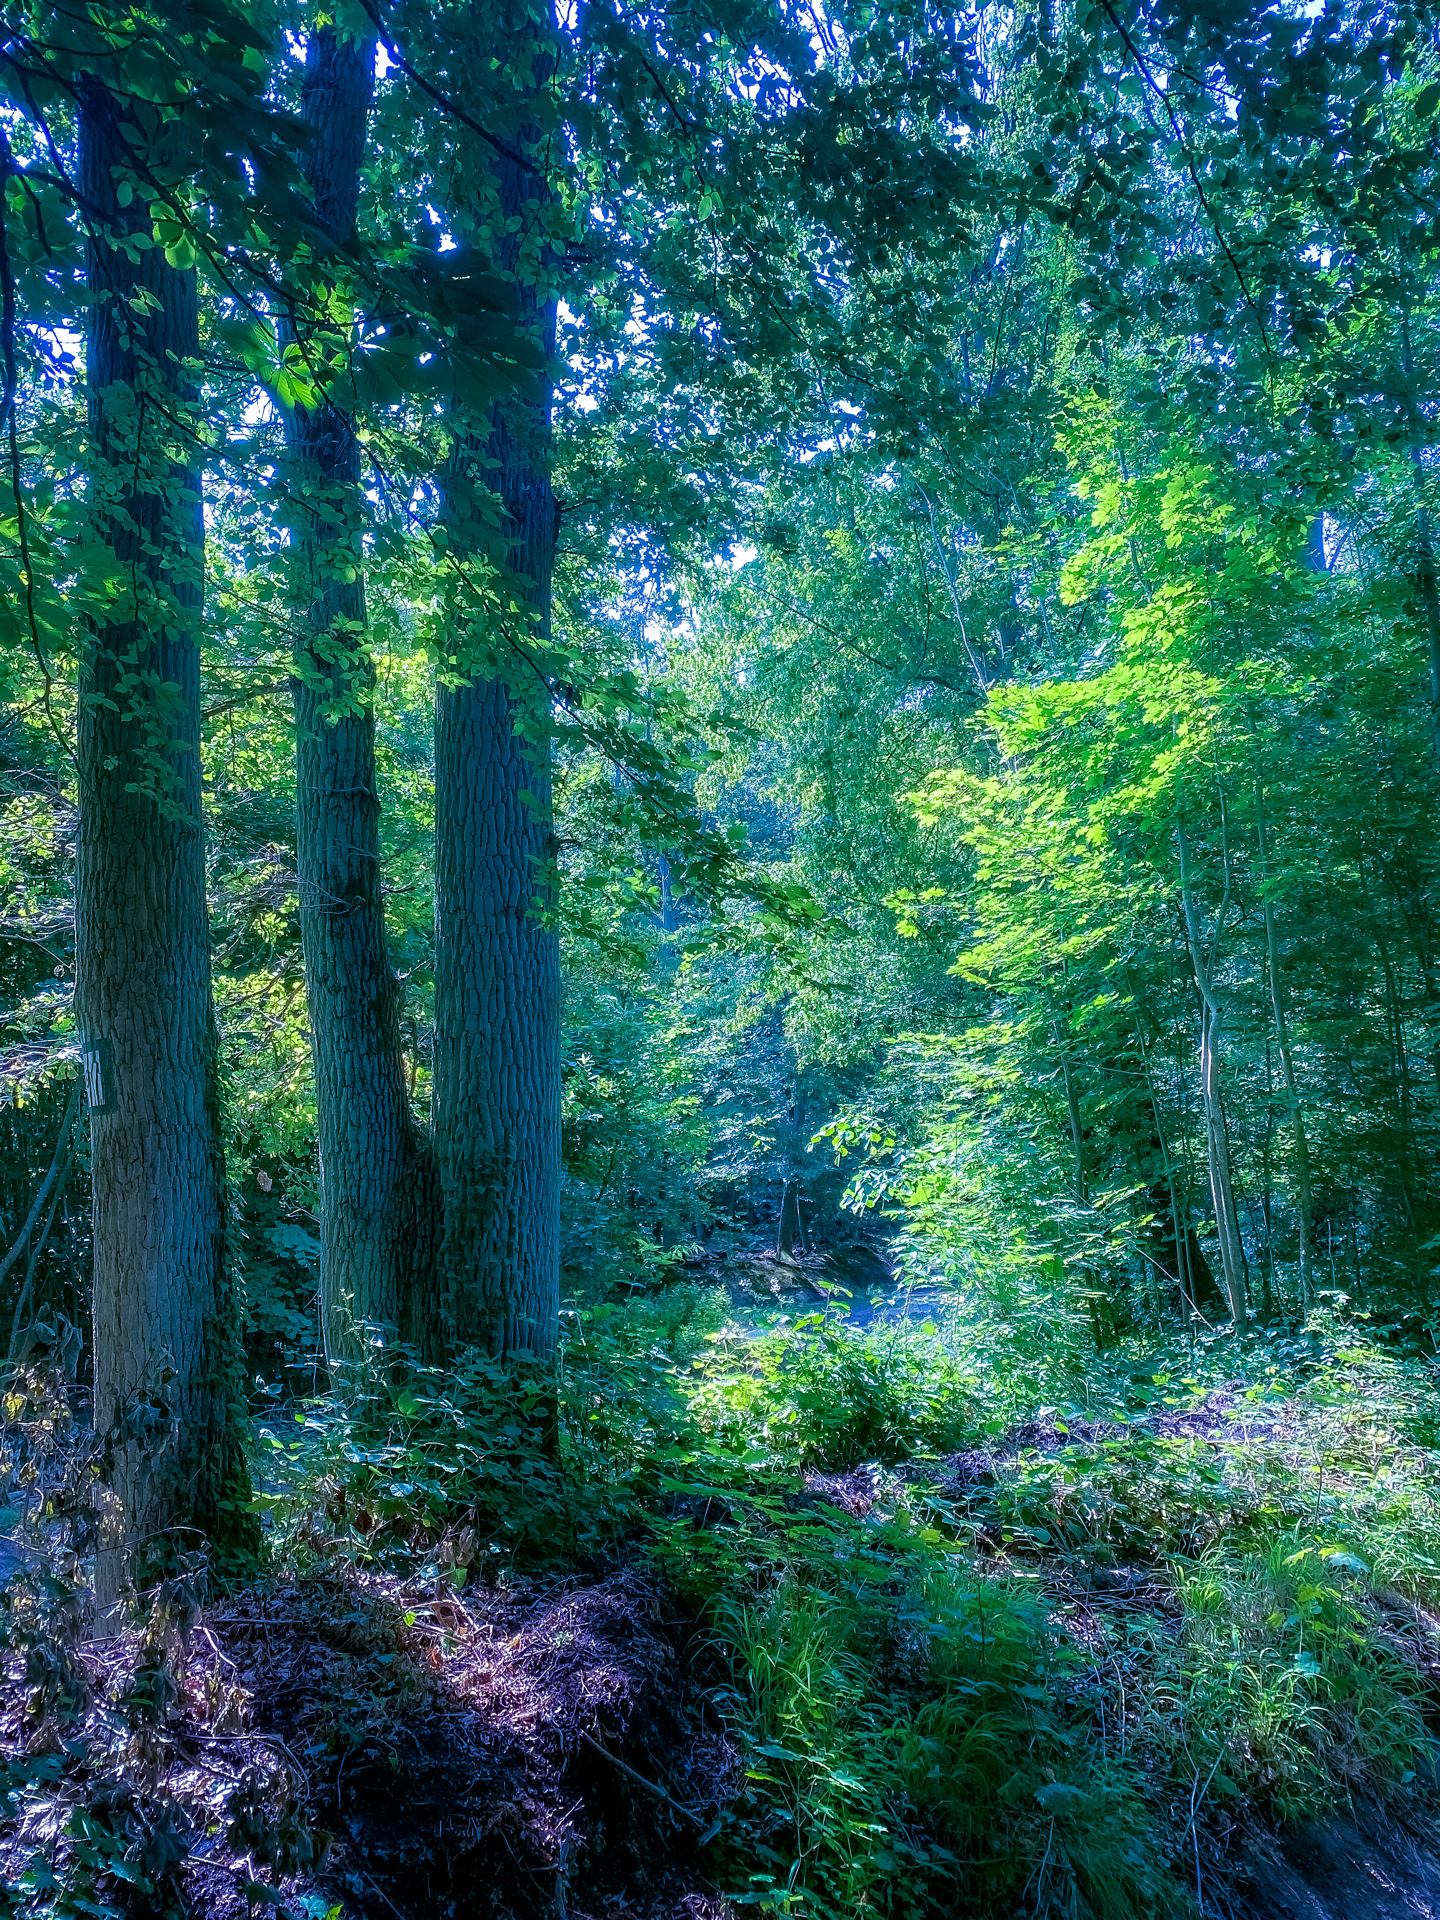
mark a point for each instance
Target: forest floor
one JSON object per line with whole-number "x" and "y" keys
{"x": 766, "y": 1636}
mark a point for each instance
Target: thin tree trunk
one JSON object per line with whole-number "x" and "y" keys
{"x": 375, "y": 1199}
{"x": 1400, "y": 1074}
{"x": 1265, "y": 1239}
{"x": 789, "y": 1231}
{"x": 1217, "y": 1136}
{"x": 1427, "y": 583}
{"x": 1294, "y": 1106}
{"x": 790, "y": 1228}
{"x": 165, "y": 1326}
{"x": 668, "y": 918}
{"x": 1412, "y": 903}
{"x": 34, "y": 1235}
{"x": 59, "y": 1162}
{"x": 497, "y": 967}
{"x": 1217, "y": 1150}
{"x": 1080, "y": 1185}
{"x": 1180, "y": 1231}
{"x": 1077, "y": 1137}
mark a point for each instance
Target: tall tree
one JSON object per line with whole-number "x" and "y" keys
{"x": 164, "y": 1324}
{"x": 375, "y": 1200}
{"x": 497, "y": 966}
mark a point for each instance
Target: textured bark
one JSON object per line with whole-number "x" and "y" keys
{"x": 497, "y": 1048}
{"x": 376, "y": 1204}
{"x": 165, "y": 1333}
{"x": 497, "y": 970}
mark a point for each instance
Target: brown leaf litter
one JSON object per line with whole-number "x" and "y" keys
{"x": 519, "y": 1752}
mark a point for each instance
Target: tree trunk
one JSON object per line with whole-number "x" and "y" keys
{"x": 1217, "y": 1133}
{"x": 789, "y": 1229}
{"x": 1426, "y": 580}
{"x": 1195, "y": 1282}
{"x": 166, "y": 1382}
{"x": 1400, "y": 1080}
{"x": 1080, "y": 1184}
{"x": 1217, "y": 1154}
{"x": 375, "y": 1202}
{"x": 1303, "y": 1189}
{"x": 497, "y": 964}
{"x": 790, "y": 1226}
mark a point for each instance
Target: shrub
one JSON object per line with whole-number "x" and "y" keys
{"x": 816, "y": 1392}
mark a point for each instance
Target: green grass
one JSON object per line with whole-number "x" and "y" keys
{"x": 1051, "y": 1691}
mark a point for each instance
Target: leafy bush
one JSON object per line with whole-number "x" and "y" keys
{"x": 912, "y": 1752}
{"x": 816, "y": 1392}
{"x": 412, "y": 1468}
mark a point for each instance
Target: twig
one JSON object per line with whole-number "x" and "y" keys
{"x": 59, "y": 1160}
{"x": 1197, "y": 1794}
{"x": 384, "y": 1895}
{"x": 650, "y": 1786}
{"x": 439, "y": 96}
{"x": 1163, "y": 97}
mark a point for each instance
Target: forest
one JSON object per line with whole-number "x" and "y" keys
{"x": 719, "y": 959}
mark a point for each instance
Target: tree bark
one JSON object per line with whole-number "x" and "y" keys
{"x": 166, "y": 1380}
{"x": 789, "y": 1229}
{"x": 497, "y": 966}
{"x": 376, "y": 1206}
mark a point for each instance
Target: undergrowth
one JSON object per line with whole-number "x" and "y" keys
{"x": 1052, "y": 1669}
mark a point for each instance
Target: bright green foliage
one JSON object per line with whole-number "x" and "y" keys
{"x": 951, "y": 1682}
{"x": 813, "y": 1392}
{"x": 1194, "y": 778}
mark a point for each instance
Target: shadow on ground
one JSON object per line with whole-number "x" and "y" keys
{"x": 517, "y": 1752}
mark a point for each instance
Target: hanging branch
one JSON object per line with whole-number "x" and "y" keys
{"x": 59, "y": 1165}
{"x": 1182, "y": 141}
{"x": 442, "y": 99}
